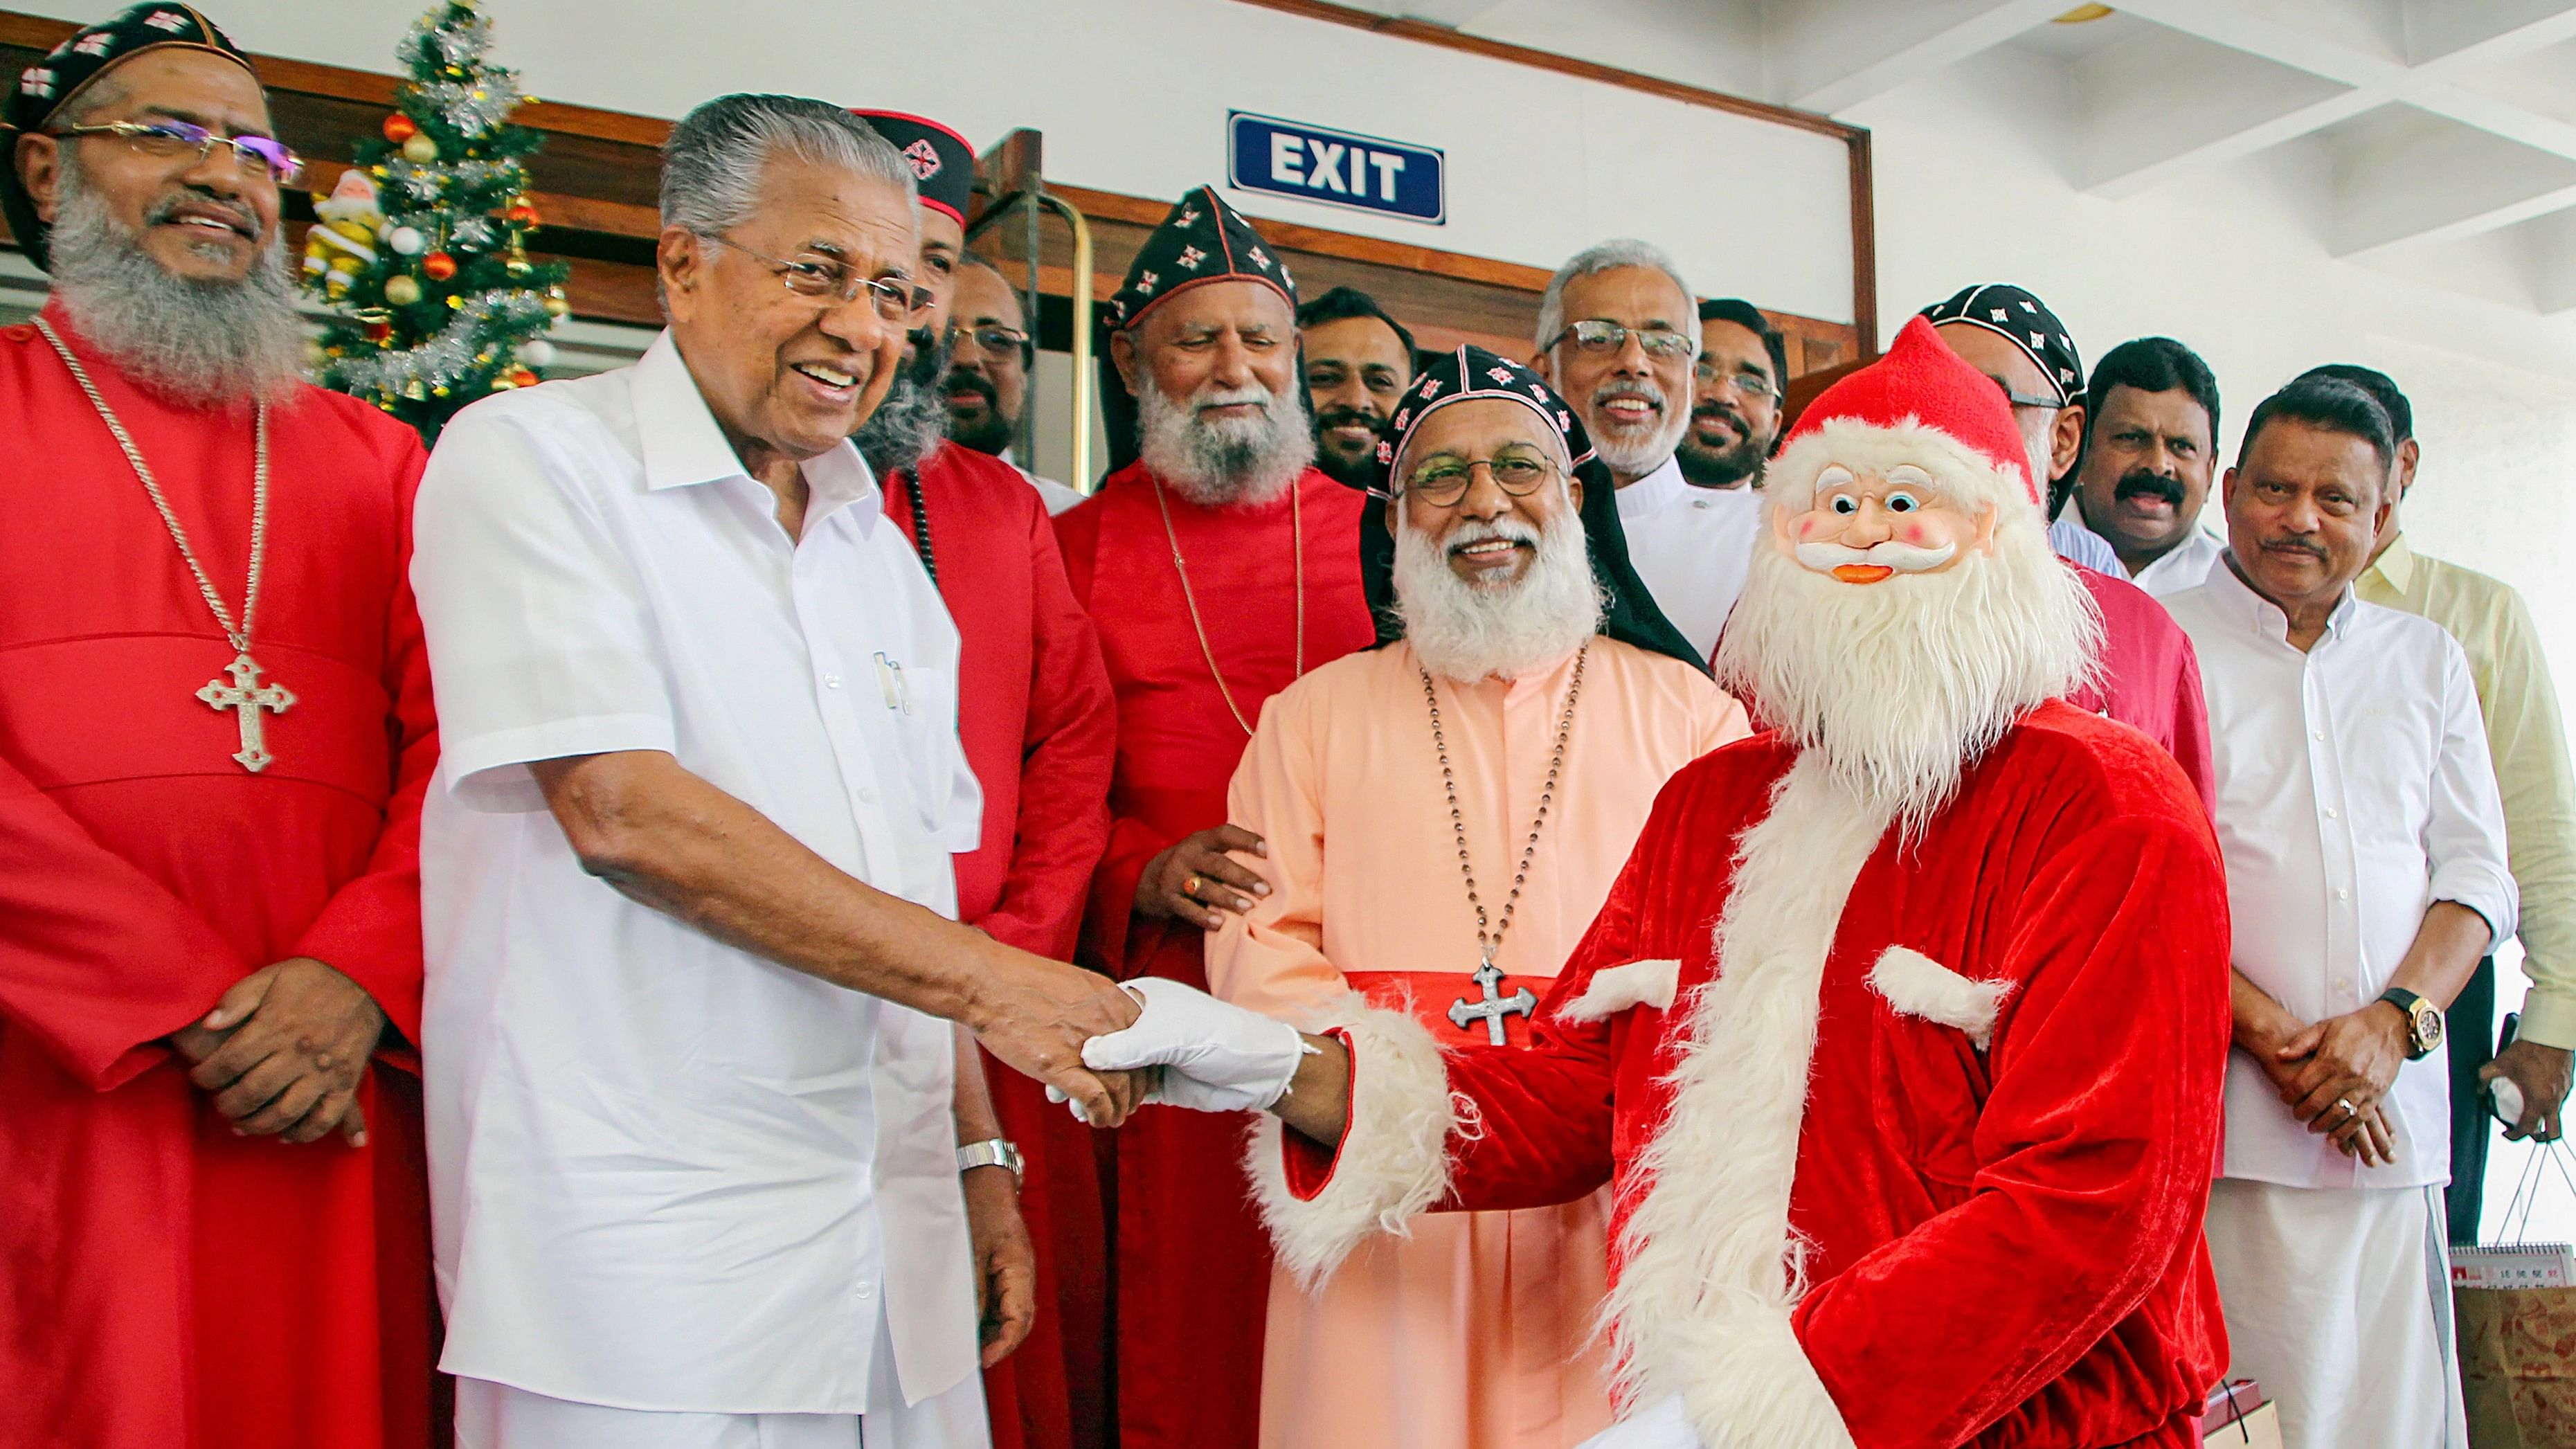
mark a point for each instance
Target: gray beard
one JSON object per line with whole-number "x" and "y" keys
{"x": 912, "y": 421}
{"x": 1465, "y": 632}
{"x": 195, "y": 343}
{"x": 1225, "y": 464}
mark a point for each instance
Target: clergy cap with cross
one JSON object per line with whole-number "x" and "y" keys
{"x": 1203, "y": 240}
{"x": 2023, "y": 320}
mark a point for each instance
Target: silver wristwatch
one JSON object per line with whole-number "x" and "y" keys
{"x": 993, "y": 1152}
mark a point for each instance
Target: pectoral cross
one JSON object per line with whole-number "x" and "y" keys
{"x": 1494, "y": 1006}
{"x": 246, "y": 696}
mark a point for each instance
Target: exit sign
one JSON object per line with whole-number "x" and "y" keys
{"x": 1338, "y": 168}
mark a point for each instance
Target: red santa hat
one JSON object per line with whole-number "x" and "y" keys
{"x": 1923, "y": 404}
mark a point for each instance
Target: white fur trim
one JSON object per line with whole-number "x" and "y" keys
{"x": 1394, "y": 1159}
{"x": 1917, "y": 985}
{"x": 1639, "y": 983}
{"x": 1711, "y": 1271}
{"x": 1959, "y": 471}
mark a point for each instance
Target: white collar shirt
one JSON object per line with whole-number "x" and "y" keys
{"x": 2354, "y": 790}
{"x": 2186, "y": 565}
{"x": 2080, "y": 545}
{"x": 1693, "y": 547}
{"x": 666, "y": 1174}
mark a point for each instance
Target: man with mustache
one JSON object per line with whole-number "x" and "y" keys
{"x": 1516, "y": 645}
{"x": 989, "y": 352}
{"x": 1736, "y": 389}
{"x": 1358, "y": 362}
{"x": 1896, "y": 1157}
{"x": 2528, "y": 740}
{"x": 1035, "y": 716}
{"x": 1618, "y": 332}
{"x": 2148, "y": 679}
{"x": 2366, "y": 877}
{"x": 2150, "y": 447}
{"x": 217, "y": 725}
{"x": 1218, "y": 566}
{"x": 701, "y": 1084}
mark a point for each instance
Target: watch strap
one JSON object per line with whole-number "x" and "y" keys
{"x": 992, "y": 1152}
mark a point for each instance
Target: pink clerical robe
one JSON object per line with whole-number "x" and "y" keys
{"x": 1474, "y": 1332}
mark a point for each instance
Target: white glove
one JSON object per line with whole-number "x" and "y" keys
{"x": 1659, "y": 1425}
{"x": 1215, "y": 1057}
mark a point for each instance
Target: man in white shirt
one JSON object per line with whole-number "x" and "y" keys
{"x": 1618, "y": 335}
{"x": 2366, "y": 876}
{"x": 2150, "y": 450}
{"x": 695, "y": 1115}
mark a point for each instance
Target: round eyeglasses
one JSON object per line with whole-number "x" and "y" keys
{"x": 1442, "y": 482}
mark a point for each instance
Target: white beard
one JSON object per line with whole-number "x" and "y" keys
{"x": 1900, "y": 685}
{"x": 199, "y": 344}
{"x": 1466, "y": 632}
{"x": 1631, "y": 454}
{"x": 1229, "y": 463}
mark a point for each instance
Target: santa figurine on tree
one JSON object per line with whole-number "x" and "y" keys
{"x": 1900, "y": 1038}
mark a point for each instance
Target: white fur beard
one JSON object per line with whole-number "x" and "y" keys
{"x": 1466, "y": 633}
{"x": 1901, "y": 685}
{"x": 1243, "y": 464}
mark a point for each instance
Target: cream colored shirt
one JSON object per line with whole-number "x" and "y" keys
{"x": 2529, "y": 742}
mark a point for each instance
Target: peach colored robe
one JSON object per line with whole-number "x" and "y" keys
{"x": 1476, "y": 1331}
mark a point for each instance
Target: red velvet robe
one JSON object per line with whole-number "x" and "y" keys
{"x": 1190, "y": 1270}
{"x": 1039, "y": 727}
{"x": 2150, "y": 677}
{"x": 163, "y": 1282}
{"x": 2000, "y": 1208}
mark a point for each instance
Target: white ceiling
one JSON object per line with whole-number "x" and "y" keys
{"x": 2432, "y": 139}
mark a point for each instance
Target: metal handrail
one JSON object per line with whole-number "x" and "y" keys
{"x": 1084, "y": 378}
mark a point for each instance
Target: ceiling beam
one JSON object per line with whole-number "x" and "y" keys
{"x": 1830, "y": 55}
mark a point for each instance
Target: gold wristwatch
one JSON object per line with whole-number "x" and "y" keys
{"x": 2423, "y": 1021}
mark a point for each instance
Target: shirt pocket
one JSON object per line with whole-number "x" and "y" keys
{"x": 1928, "y": 1086}
{"x": 944, "y": 791}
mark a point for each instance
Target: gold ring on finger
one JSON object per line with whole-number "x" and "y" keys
{"x": 1191, "y": 886}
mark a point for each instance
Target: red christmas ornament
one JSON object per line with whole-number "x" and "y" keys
{"x": 523, "y": 377}
{"x": 400, "y": 128}
{"x": 380, "y": 332}
{"x": 438, "y": 266}
{"x": 520, "y": 213}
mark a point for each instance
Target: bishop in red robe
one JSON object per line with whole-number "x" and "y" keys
{"x": 176, "y": 833}
{"x": 1901, "y": 1037}
{"x": 1217, "y": 568}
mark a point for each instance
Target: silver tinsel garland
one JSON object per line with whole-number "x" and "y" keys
{"x": 444, "y": 359}
{"x": 427, "y": 184}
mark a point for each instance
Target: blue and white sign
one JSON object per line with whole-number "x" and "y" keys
{"x": 1313, "y": 163}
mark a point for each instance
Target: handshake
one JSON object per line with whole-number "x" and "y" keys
{"x": 1187, "y": 1049}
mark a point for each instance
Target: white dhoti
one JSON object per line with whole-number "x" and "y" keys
{"x": 497, "y": 1416}
{"x": 2338, "y": 1302}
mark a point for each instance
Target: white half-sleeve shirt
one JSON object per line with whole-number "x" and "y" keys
{"x": 666, "y": 1174}
{"x": 1692, "y": 547}
{"x": 2354, "y": 790}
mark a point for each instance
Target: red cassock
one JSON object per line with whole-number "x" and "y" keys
{"x": 1990, "y": 1167}
{"x": 163, "y": 1282}
{"x": 1040, "y": 728}
{"x": 2150, "y": 677}
{"x": 1191, "y": 1273}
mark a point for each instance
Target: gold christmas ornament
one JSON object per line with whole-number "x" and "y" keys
{"x": 420, "y": 150}
{"x": 402, "y": 290}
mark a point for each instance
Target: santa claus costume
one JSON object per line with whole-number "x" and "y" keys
{"x": 1900, "y": 1038}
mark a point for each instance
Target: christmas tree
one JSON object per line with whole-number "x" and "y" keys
{"x": 421, "y": 249}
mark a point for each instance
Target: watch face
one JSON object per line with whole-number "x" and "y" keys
{"x": 2428, "y": 1025}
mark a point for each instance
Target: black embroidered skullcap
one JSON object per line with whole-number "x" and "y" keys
{"x": 1629, "y": 613}
{"x": 943, "y": 165}
{"x": 49, "y": 85}
{"x": 2025, "y": 321}
{"x": 1203, "y": 240}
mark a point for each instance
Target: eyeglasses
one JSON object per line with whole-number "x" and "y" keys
{"x": 895, "y": 297}
{"x": 1442, "y": 482}
{"x": 992, "y": 339}
{"x": 1593, "y": 334}
{"x": 170, "y": 140}
{"x": 2023, "y": 399}
{"x": 1746, "y": 384}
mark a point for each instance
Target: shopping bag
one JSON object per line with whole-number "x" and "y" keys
{"x": 2518, "y": 1344}
{"x": 2238, "y": 1416}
